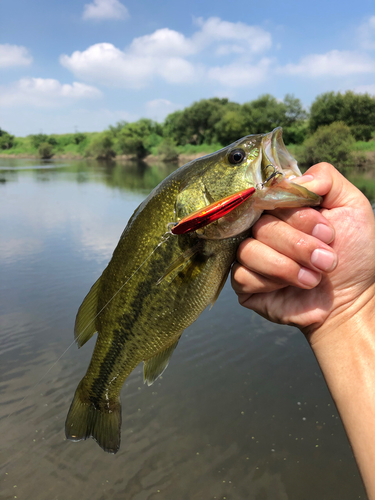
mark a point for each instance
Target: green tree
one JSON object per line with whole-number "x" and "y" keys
{"x": 45, "y": 150}
{"x": 230, "y": 127}
{"x": 6, "y": 140}
{"x": 167, "y": 150}
{"x": 138, "y": 138}
{"x": 196, "y": 124}
{"x": 264, "y": 114}
{"x": 38, "y": 139}
{"x": 79, "y": 137}
{"x": 356, "y": 110}
{"x": 116, "y": 129}
{"x": 101, "y": 146}
{"x": 332, "y": 143}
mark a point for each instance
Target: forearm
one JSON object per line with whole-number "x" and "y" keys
{"x": 347, "y": 358}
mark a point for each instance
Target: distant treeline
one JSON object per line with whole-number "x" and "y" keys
{"x": 211, "y": 123}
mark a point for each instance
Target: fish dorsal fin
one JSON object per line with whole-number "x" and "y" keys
{"x": 84, "y": 327}
{"x": 219, "y": 289}
{"x": 180, "y": 263}
{"x": 154, "y": 367}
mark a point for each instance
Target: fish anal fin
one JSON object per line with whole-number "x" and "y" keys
{"x": 85, "y": 327}
{"x": 102, "y": 423}
{"x": 180, "y": 263}
{"x": 155, "y": 366}
{"x": 221, "y": 286}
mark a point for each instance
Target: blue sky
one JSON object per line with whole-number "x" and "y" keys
{"x": 83, "y": 65}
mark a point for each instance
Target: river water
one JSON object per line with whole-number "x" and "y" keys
{"x": 241, "y": 413}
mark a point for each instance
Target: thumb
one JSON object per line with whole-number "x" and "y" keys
{"x": 324, "y": 179}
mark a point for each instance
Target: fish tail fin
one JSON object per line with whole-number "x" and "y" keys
{"x": 102, "y": 422}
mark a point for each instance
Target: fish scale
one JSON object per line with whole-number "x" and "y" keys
{"x": 157, "y": 283}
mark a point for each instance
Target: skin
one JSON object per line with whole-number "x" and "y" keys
{"x": 316, "y": 270}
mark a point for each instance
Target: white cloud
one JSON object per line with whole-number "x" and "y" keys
{"x": 105, "y": 9}
{"x": 44, "y": 92}
{"x": 334, "y": 63}
{"x": 106, "y": 64}
{"x": 367, "y": 34}
{"x": 165, "y": 54}
{"x": 14, "y": 55}
{"x": 249, "y": 39}
{"x": 162, "y": 43}
{"x": 241, "y": 74}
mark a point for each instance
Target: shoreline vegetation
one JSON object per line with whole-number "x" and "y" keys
{"x": 339, "y": 128}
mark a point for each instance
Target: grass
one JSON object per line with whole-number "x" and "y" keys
{"x": 364, "y": 146}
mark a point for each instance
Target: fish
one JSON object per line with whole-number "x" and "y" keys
{"x": 157, "y": 283}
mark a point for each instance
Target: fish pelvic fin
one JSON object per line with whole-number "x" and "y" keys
{"x": 101, "y": 421}
{"x": 84, "y": 327}
{"x": 155, "y": 366}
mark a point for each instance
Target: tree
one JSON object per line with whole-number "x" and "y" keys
{"x": 264, "y": 114}
{"x": 6, "y": 140}
{"x": 332, "y": 143}
{"x": 196, "y": 124}
{"x": 115, "y": 129}
{"x": 356, "y": 110}
{"x": 230, "y": 127}
{"x": 45, "y": 150}
{"x": 38, "y": 139}
{"x": 101, "y": 147}
{"x": 139, "y": 137}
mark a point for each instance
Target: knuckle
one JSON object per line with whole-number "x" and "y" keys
{"x": 265, "y": 224}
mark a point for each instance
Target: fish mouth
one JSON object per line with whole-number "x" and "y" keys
{"x": 278, "y": 169}
{"x": 275, "y": 154}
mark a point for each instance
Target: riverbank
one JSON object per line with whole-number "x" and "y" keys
{"x": 364, "y": 159}
{"x": 182, "y": 158}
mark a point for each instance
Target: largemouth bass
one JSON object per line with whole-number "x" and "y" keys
{"x": 157, "y": 283}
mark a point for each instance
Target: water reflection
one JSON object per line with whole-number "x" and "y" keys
{"x": 241, "y": 413}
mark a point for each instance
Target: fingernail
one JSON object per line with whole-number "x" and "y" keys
{"x": 323, "y": 233}
{"x": 304, "y": 178}
{"x": 307, "y": 277}
{"x": 324, "y": 259}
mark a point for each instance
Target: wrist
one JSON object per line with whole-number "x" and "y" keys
{"x": 350, "y": 318}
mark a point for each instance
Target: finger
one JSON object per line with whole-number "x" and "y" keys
{"x": 307, "y": 220}
{"x": 266, "y": 261}
{"x": 244, "y": 280}
{"x": 325, "y": 180}
{"x": 297, "y": 245}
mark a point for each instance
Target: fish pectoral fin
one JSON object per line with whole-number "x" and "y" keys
{"x": 154, "y": 367}
{"x": 221, "y": 286}
{"x": 84, "y": 327}
{"x": 181, "y": 262}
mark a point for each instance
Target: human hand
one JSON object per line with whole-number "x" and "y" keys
{"x": 311, "y": 268}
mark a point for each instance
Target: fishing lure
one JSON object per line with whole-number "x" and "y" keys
{"x": 216, "y": 210}
{"x": 212, "y": 212}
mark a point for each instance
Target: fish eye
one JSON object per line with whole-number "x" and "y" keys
{"x": 236, "y": 156}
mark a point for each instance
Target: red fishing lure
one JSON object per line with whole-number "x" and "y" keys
{"x": 212, "y": 212}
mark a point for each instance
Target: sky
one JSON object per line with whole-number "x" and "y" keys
{"x": 77, "y": 65}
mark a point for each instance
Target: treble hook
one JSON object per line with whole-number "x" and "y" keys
{"x": 274, "y": 173}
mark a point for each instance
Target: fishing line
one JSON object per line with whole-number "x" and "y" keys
{"x": 163, "y": 239}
